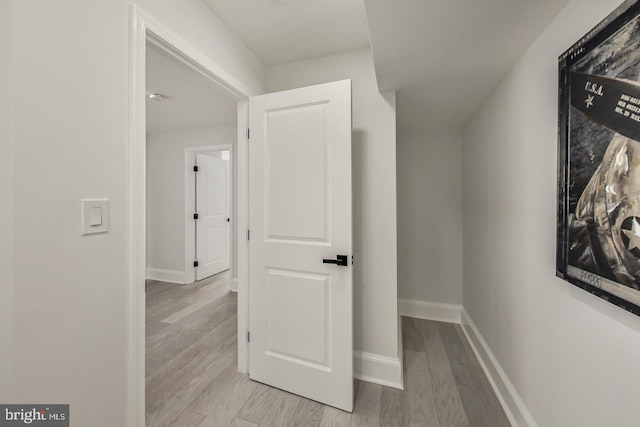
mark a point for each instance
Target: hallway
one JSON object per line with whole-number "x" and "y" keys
{"x": 192, "y": 378}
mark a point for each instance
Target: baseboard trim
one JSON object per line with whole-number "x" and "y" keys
{"x": 233, "y": 286}
{"x": 165, "y": 275}
{"x": 377, "y": 369}
{"x": 430, "y": 310}
{"x": 510, "y": 400}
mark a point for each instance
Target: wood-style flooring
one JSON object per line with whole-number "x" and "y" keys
{"x": 192, "y": 378}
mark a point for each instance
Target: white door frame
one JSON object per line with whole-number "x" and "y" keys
{"x": 143, "y": 29}
{"x": 189, "y": 197}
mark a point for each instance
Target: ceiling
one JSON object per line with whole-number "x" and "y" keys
{"x": 193, "y": 101}
{"x": 442, "y": 57}
{"x": 283, "y": 31}
{"x": 445, "y": 57}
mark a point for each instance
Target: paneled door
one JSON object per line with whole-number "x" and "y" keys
{"x": 213, "y": 209}
{"x": 300, "y": 247}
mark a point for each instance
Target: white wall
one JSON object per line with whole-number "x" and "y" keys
{"x": 6, "y": 196}
{"x": 429, "y": 168}
{"x": 374, "y": 191}
{"x": 572, "y": 357}
{"x": 71, "y": 70}
{"x": 166, "y": 191}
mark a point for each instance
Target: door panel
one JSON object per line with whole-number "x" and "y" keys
{"x": 298, "y": 327}
{"x": 306, "y": 195}
{"x": 300, "y": 213}
{"x": 212, "y": 206}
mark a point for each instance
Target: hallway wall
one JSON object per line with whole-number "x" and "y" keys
{"x": 571, "y": 357}
{"x": 70, "y": 311}
{"x": 429, "y": 166}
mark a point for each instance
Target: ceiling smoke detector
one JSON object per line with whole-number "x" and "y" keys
{"x": 156, "y": 96}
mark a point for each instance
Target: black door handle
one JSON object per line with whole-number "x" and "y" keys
{"x": 341, "y": 260}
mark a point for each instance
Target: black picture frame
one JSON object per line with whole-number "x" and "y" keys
{"x": 598, "y": 223}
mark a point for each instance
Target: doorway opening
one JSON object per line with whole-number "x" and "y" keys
{"x": 191, "y": 134}
{"x": 166, "y": 125}
{"x": 301, "y": 197}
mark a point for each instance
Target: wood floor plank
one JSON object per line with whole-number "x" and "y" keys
{"x": 287, "y": 413}
{"x": 186, "y": 393}
{"x": 212, "y": 314}
{"x": 419, "y": 388}
{"x": 394, "y": 408}
{"x": 310, "y": 413}
{"x": 333, "y": 417}
{"x": 206, "y": 363}
{"x": 481, "y": 403}
{"x": 366, "y": 412}
{"x": 189, "y": 354}
{"x": 451, "y": 412}
{"x": 225, "y": 409}
{"x": 192, "y": 377}
{"x": 263, "y": 406}
{"x": 411, "y": 334}
{"x": 465, "y": 343}
{"x": 186, "y": 419}
{"x": 224, "y": 384}
{"x": 164, "y": 308}
{"x": 198, "y": 300}
{"x": 177, "y": 340}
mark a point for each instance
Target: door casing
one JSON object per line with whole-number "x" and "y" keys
{"x": 146, "y": 29}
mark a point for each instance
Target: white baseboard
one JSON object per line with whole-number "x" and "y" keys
{"x": 233, "y": 286}
{"x": 374, "y": 368}
{"x": 165, "y": 275}
{"x": 430, "y": 310}
{"x": 511, "y": 401}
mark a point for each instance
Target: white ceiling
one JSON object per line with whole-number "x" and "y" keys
{"x": 193, "y": 100}
{"x": 280, "y": 32}
{"x": 445, "y": 57}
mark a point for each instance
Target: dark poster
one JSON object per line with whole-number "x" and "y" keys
{"x": 598, "y": 235}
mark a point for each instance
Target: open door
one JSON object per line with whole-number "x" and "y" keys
{"x": 300, "y": 248}
{"x": 212, "y": 207}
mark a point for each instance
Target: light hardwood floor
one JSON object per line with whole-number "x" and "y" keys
{"x": 192, "y": 378}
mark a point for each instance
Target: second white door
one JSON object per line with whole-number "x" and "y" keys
{"x": 213, "y": 213}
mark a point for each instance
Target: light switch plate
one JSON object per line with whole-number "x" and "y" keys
{"x": 95, "y": 216}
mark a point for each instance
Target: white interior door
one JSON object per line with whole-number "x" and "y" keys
{"x": 300, "y": 308}
{"x": 212, "y": 207}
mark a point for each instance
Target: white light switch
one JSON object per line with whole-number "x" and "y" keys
{"x": 95, "y": 216}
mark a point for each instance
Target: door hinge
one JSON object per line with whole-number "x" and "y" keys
{"x": 195, "y": 216}
{"x": 248, "y": 234}
{"x": 195, "y": 263}
{"x": 248, "y": 336}
{"x": 248, "y": 133}
{"x": 195, "y": 168}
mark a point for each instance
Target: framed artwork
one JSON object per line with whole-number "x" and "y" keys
{"x": 598, "y": 235}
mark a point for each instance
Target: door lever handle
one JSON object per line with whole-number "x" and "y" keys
{"x": 341, "y": 260}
